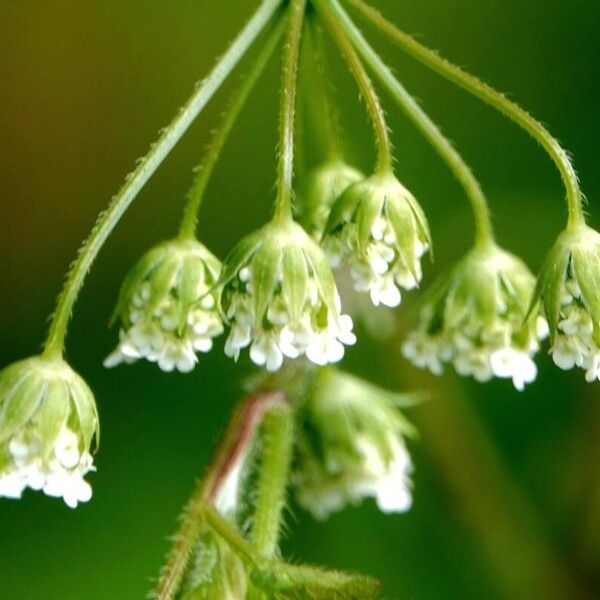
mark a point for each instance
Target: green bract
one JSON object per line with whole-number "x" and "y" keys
{"x": 379, "y": 227}
{"x": 568, "y": 290}
{"x": 475, "y": 318}
{"x": 48, "y": 421}
{"x": 279, "y": 295}
{"x": 352, "y": 447}
{"x": 320, "y": 189}
{"x": 167, "y": 307}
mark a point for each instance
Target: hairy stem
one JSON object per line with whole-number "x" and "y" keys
{"x": 147, "y": 166}
{"x": 205, "y": 170}
{"x": 462, "y": 172}
{"x": 368, "y": 92}
{"x": 499, "y": 101}
{"x": 278, "y": 439}
{"x": 235, "y": 442}
{"x": 289, "y": 84}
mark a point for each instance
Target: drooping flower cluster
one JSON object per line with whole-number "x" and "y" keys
{"x": 380, "y": 229}
{"x": 475, "y": 318}
{"x": 352, "y": 447}
{"x": 320, "y": 189}
{"x": 279, "y": 296}
{"x": 569, "y": 291}
{"x": 48, "y": 420}
{"x": 168, "y": 307}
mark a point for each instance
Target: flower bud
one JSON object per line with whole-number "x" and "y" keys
{"x": 216, "y": 571}
{"x": 168, "y": 307}
{"x": 352, "y": 447}
{"x": 568, "y": 290}
{"x": 378, "y": 226}
{"x": 321, "y": 188}
{"x": 475, "y": 318}
{"x": 280, "y": 298}
{"x": 48, "y": 420}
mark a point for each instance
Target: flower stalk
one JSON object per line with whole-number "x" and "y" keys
{"x": 135, "y": 181}
{"x": 289, "y": 85}
{"x": 205, "y": 170}
{"x": 483, "y": 224}
{"x": 365, "y": 85}
{"x": 489, "y": 95}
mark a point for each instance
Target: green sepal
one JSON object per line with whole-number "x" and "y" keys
{"x": 323, "y": 277}
{"x": 366, "y": 214}
{"x": 163, "y": 279}
{"x": 345, "y": 206}
{"x": 403, "y": 222}
{"x": 52, "y": 414}
{"x": 266, "y": 269}
{"x": 239, "y": 256}
{"x": 21, "y": 402}
{"x": 586, "y": 270}
{"x": 191, "y": 274}
{"x": 141, "y": 270}
{"x": 87, "y": 413}
{"x": 295, "y": 279}
{"x": 550, "y": 285}
{"x": 421, "y": 219}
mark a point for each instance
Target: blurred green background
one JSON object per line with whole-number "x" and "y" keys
{"x": 507, "y": 485}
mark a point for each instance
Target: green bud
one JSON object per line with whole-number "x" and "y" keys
{"x": 279, "y": 295}
{"x": 351, "y": 447}
{"x": 380, "y": 229}
{"x": 568, "y": 289}
{"x": 167, "y": 307}
{"x": 48, "y": 421}
{"x": 475, "y": 318}
{"x": 320, "y": 189}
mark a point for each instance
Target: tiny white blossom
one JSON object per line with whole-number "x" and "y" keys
{"x": 168, "y": 309}
{"x": 568, "y": 293}
{"x": 47, "y": 425}
{"x": 476, "y": 320}
{"x": 280, "y": 300}
{"x": 355, "y": 448}
{"x": 380, "y": 230}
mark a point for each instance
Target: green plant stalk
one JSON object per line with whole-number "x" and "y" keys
{"x": 206, "y": 168}
{"x": 289, "y": 85}
{"x": 368, "y": 92}
{"x": 136, "y": 180}
{"x": 483, "y": 224}
{"x": 240, "y": 433}
{"x": 277, "y": 445}
{"x": 489, "y": 95}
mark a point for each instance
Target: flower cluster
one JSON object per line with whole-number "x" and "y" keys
{"x": 279, "y": 296}
{"x": 352, "y": 447}
{"x": 569, "y": 293}
{"x": 320, "y": 189}
{"x": 380, "y": 229}
{"x": 48, "y": 421}
{"x": 475, "y": 318}
{"x": 167, "y": 307}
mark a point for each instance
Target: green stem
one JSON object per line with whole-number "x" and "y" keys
{"x": 289, "y": 84}
{"x": 368, "y": 92}
{"x": 205, "y": 170}
{"x": 465, "y": 176}
{"x": 473, "y": 85}
{"x": 278, "y": 438}
{"x": 237, "y": 439}
{"x": 137, "y": 179}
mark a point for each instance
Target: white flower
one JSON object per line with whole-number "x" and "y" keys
{"x": 168, "y": 309}
{"x": 568, "y": 293}
{"x": 476, "y": 320}
{"x": 380, "y": 229}
{"x": 47, "y": 425}
{"x": 352, "y": 448}
{"x": 280, "y": 299}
